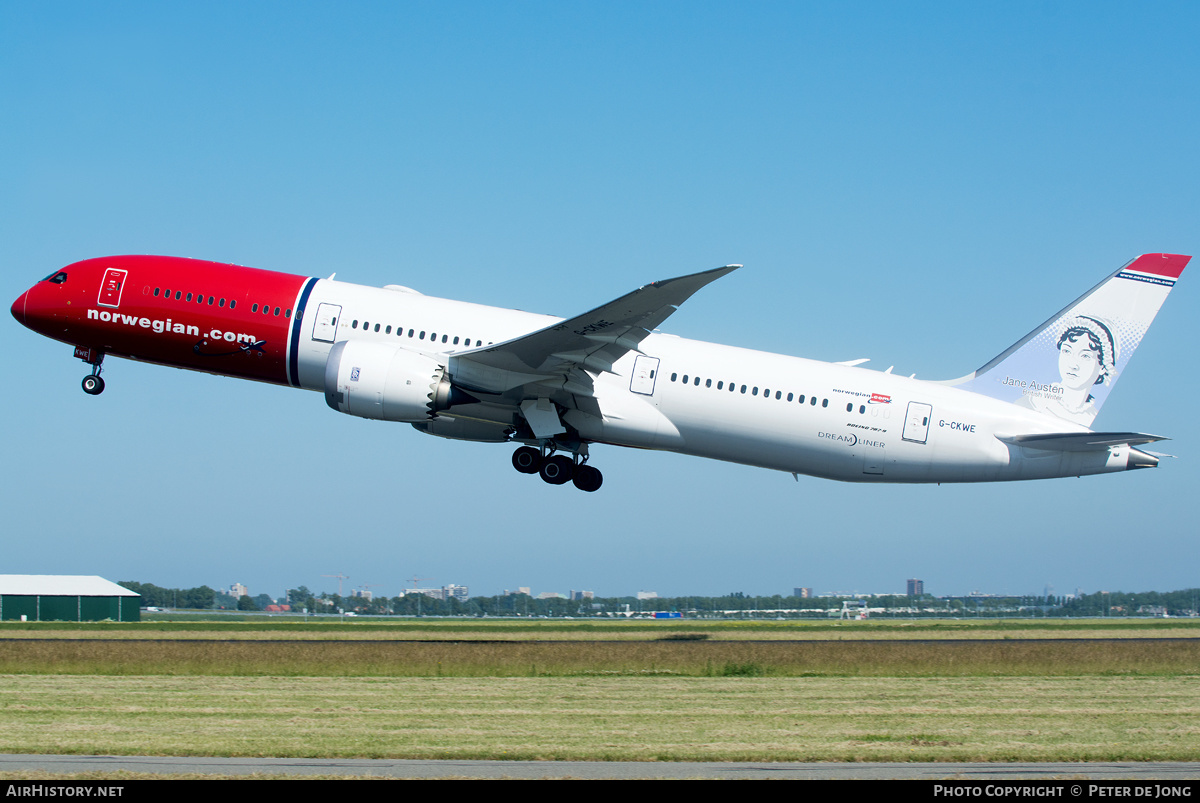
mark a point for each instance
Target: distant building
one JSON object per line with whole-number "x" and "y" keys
{"x": 550, "y": 595}
{"x": 361, "y": 593}
{"x": 237, "y": 591}
{"x": 647, "y": 595}
{"x": 432, "y": 593}
{"x": 460, "y": 593}
{"x": 802, "y": 593}
{"x": 66, "y": 598}
{"x": 520, "y": 590}
{"x": 579, "y": 596}
{"x": 916, "y": 588}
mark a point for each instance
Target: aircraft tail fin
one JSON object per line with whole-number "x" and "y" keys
{"x": 1067, "y": 366}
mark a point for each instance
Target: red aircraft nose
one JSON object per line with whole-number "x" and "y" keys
{"x": 18, "y": 308}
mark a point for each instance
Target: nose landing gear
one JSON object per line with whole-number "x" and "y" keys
{"x": 558, "y": 469}
{"x": 93, "y": 385}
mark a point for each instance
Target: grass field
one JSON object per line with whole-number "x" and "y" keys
{"x": 660, "y": 718}
{"x": 926, "y": 691}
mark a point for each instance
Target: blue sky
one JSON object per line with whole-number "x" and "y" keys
{"x": 916, "y": 183}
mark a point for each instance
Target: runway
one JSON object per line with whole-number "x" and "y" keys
{"x": 600, "y": 770}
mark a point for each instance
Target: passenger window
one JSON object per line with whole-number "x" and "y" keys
{"x": 789, "y": 397}
{"x": 232, "y": 303}
{"x": 685, "y": 379}
{"x": 743, "y": 388}
{"x": 862, "y": 408}
{"x": 456, "y": 340}
{"x": 254, "y": 307}
{"x": 708, "y": 383}
{"x": 674, "y": 377}
{"x": 287, "y": 313}
{"x": 211, "y": 299}
{"x": 825, "y": 402}
{"x": 376, "y": 327}
{"x": 221, "y": 303}
{"x": 277, "y": 313}
{"x": 179, "y": 293}
{"x": 813, "y": 402}
{"x": 189, "y": 296}
{"x": 849, "y": 408}
{"x": 697, "y": 382}
{"x": 156, "y": 292}
{"x": 388, "y": 331}
{"x": 800, "y": 398}
{"x": 755, "y": 391}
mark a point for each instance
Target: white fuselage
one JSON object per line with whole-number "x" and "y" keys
{"x": 727, "y": 403}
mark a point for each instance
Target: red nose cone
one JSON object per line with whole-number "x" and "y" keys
{"x": 18, "y": 308}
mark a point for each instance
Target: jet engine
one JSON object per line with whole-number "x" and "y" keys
{"x": 387, "y": 383}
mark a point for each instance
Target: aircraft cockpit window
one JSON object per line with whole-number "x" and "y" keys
{"x": 57, "y": 277}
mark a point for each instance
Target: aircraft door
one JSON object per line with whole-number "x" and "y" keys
{"x": 325, "y": 325}
{"x": 111, "y": 286}
{"x": 916, "y": 422}
{"x": 645, "y": 370}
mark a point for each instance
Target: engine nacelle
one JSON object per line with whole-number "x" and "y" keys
{"x": 387, "y": 383}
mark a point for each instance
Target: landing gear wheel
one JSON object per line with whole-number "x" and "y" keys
{"x": 527, "y": 460}
{"x": 93, "y": 385}
{"x": 587, "y": 478}
{"x": 557, "y": 470}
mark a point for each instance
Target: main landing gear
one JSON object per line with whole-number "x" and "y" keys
{"x": 558, "y": 469}
{"x": 93, "y": 385}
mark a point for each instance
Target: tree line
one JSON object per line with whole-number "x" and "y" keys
{"x": 1102, "y": 603}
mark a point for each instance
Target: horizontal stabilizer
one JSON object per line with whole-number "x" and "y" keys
{"x": 1080, "y": 441}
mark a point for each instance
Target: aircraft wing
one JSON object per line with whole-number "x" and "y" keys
{"x": 565, "y": 355}
{"x": 1080, "y": 441}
